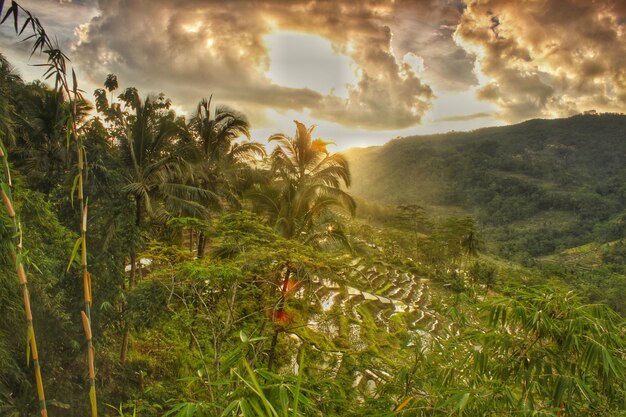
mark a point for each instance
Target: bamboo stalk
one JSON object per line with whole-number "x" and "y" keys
{"x": 23, "y": 281}
{"x": 21, "y": 274}
{"x": 8, "y": 204}
{"x": 86, "y": 313}
{"x": 87, "y": 286}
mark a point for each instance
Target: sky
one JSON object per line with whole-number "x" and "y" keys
{"x": 363, "y": 72}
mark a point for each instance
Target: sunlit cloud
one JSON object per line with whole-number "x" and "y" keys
{"x": 341, "y": 70}
{"x": 362, "y": 71}
{"x": 549, "y": 58}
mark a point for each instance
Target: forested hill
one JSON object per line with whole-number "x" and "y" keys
{"x": 536, "y": 187}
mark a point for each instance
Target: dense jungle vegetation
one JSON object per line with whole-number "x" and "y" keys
{"x": 154, "y": 265}
{"x": 549, "y": 194}
{"x": 538, "y": 187}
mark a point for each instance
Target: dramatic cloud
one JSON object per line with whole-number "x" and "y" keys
{"x": 193, "y": 48}
{"x": 548, "y": 57}
{"x": 426, "y": 28}
{"x": 352, "y": 67}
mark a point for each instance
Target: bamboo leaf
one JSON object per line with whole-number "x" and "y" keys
{"x": 559, "y": 390}
{"x": 4, "y": 150}
{"x": 15, "y": 10}
{"x": 229, "y": 408}
{"x": 34, "y": 266}
{"x": 77, "y": 244}
{"x": 26, "y": 22}
{"x": 68, "y": 134}
{"x": 298, "y": 385}
{"x": 246, "y": 410}
{"x": 257, "y": 408}
{"x": 256, "y": 387}
{"x": 607, "y": 363}
{"x": 175, "y": 410}
{"x": 283, "y": 399}
{"x": 585, "y": 390}
{"x": 74, "y": 184}
{"x": 404, "y": 404}
{"x": 9, "y": 11}
{"x": 74, "y": 83}
{"x": 6, "y": 189}
{"x": 463, "y": 402}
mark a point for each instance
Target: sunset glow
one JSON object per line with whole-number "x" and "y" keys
{"x": 298, "y": 60}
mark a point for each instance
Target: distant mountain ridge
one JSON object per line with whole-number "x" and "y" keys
{"x": 536, "y": 187}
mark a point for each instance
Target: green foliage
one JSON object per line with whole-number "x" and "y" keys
{"x": 417, "y": 318}
{"x": 54, "y": 294}
{"x": 537, "y": 187}
{"x": 303, "y": 195}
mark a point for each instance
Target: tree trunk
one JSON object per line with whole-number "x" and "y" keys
{"x": 131, "y": 283}
{"x": 272, "y": 354}
{"x": 133, "y": 270}
{"x": 280, "y": 305}
{"x": 219, "y": 338}
{"x": 124, "y": 349}
{"x": 201, "y": 242}
{"x": 217, "y": 349}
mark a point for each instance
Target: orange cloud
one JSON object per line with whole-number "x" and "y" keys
{"x": 532, "y": 58}
{"x": 548, "y": 57}
{"x": 193, "y": 48}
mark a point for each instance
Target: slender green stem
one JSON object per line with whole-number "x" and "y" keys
{"x": 6, "y": 195}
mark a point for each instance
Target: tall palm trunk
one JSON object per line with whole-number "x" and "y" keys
{"x": 272, "y": 353}
{"x": 131, "y": 282}
{"x": 201, "y": 244}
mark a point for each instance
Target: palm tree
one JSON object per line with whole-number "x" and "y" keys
{"x": 469, "y": 237}
{"x": 216, "y": 132}
{"x": 413, "y": 217}
{"x": 111, "y": 83}
{"x": 157, "y": 162}
{"x": 42, "y": 148}
{"x": 305, "y": 199}
{"x": 157, "y": 166}
{"x": 224, "y": 168}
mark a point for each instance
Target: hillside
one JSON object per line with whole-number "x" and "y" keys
{"x": 536, "y": 188}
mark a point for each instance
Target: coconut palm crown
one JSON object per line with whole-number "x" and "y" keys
{"x": 307, "y": 199}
